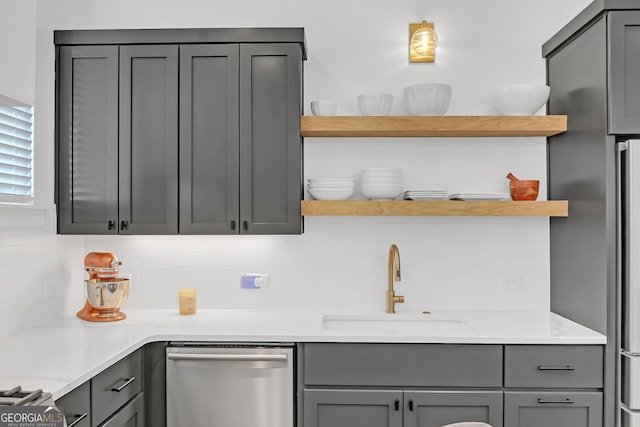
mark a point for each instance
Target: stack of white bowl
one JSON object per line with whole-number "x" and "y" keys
{"x": 331, "y": 188}
{"x": 381, "y": 183}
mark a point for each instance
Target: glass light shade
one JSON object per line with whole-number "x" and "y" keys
{"x": 422, "y": 46}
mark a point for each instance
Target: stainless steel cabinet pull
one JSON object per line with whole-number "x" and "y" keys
{"x": 230, "y": 357}
{"x": 565, "y": 401}
{"x": 77, "y": 418}
{"x": 111, "y": 225}
{"x": 124, "y": 225}
{"x": 126, "y": 383}
{"x": 556, "y": 368}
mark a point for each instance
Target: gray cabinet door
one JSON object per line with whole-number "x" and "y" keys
{"x": 131, "y": 415}
{"x": 624, "y": 72}
{"x": 270, "y": 141}
{"x": 349, "y": 408}
{"x": 148, "y": 157}
{"x": 552, "y": 409}
{"x": 209, "y": 135}
{"x": 87, "y": 140}
{"x": 77, "y": 406}
{"x": 438, "y": 408}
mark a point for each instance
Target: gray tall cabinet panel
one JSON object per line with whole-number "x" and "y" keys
{"x": 191, "y": 131}
{"x": 593, "y": 69}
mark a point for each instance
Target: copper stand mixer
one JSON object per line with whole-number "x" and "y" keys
{"x": 106, "y": 292}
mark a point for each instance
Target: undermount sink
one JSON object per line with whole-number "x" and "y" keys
{"x": 427, "y": 323}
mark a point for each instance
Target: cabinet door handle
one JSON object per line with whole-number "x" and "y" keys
{"x": 124, "y": 384}
{"x": 411, "y": 404}
{"x": 111, "y": 225}
{"x": 124, "y": 225}
{"x": 565, "y": 401}
{"x": 233, "y": 225}
{"x": 556, "y": 368}
{"x": 396, "y": 405}
{"x": 77, "y": 418}
{"x": 245, "y": 225}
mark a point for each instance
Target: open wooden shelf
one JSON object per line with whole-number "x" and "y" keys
{"x": 554, "y": 208}
{"x": 431, "y": 126}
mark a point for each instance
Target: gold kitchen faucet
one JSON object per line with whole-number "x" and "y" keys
{"x": 394, "y": 276}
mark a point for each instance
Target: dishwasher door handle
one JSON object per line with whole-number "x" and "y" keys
{"x": 229, "y": 357}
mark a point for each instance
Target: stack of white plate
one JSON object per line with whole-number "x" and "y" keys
{"x": 381, "y": 183}
{"x": 426, "y": 195}
{"x": 331, "y": 188}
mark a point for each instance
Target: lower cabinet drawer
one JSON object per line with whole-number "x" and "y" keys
{"x": 77, "y": 406}
{"x": 115, "y": 386}
{"x": 553, "y": 366}
{"x": 402, "y": 365}
{"x": 551, "y": 408}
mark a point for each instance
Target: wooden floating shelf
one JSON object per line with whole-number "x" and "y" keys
{"x": 553, "y": 208}
{"x": 431, "y": 126}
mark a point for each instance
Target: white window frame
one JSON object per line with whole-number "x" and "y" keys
{"x": 16, "y": 152}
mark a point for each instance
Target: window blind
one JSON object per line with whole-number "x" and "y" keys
{"x": 16, "y": 151}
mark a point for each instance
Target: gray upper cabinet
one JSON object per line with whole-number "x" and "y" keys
{"x": 240, "y": 144}
{"x": 209, "y": 135}
{"x": 148, "y": 167}
{"x": 624, "y": 71}
{"x": 87, "y": 133}
{"x": 179, "y": 131}
{"x": 270, "y": 141}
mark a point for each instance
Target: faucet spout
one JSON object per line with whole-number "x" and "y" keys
{"x": 394, "y": 276}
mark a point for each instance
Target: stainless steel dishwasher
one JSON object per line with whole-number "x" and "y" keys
{"x": 230, "y": 385}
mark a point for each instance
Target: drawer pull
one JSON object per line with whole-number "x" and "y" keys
{"x": 556, "y": 368}
{"x": 126, "y": 383}
{"x": 77, "y": 418}
{"x": 565, "y": 401}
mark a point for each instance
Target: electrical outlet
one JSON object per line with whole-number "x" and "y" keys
{"x": 512, "y": 282}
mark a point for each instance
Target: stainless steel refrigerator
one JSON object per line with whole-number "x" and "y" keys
{"x": 628, "y": 227}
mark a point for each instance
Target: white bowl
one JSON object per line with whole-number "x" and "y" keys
{"x": 519, "y": 99}
{"x": 428, "y": 99}
{"x": 381, "y": 192}
{"x": 331, "y": 194}
{"x": 375, "y": 104}
{"x": 324, "y": 107}
{"x": 331, "y": 187}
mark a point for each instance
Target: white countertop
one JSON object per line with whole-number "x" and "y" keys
{"x": 60, "y": 355}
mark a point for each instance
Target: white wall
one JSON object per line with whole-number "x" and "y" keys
{"x": 354, "y": 47}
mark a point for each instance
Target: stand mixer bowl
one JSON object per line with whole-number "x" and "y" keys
{"x": 107, "y": 295}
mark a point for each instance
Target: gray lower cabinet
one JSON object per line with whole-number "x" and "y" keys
{"x": 437, "y": 408}
{"x": 347, "y": 408}
{"x": 386, "y": 408}
{"x": 77, "y": 406}
{"x": 167, "y": 131}
{"x": 112, "y": 398}
{"x": 431, "y": 385}
{"x": 131, "y": 415}
{"x": 552, "y": 409}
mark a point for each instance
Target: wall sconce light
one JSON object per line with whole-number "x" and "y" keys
{"x": 423, "y": 42}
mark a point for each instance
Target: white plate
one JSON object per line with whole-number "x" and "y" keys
{"x": 479, "y": 196}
